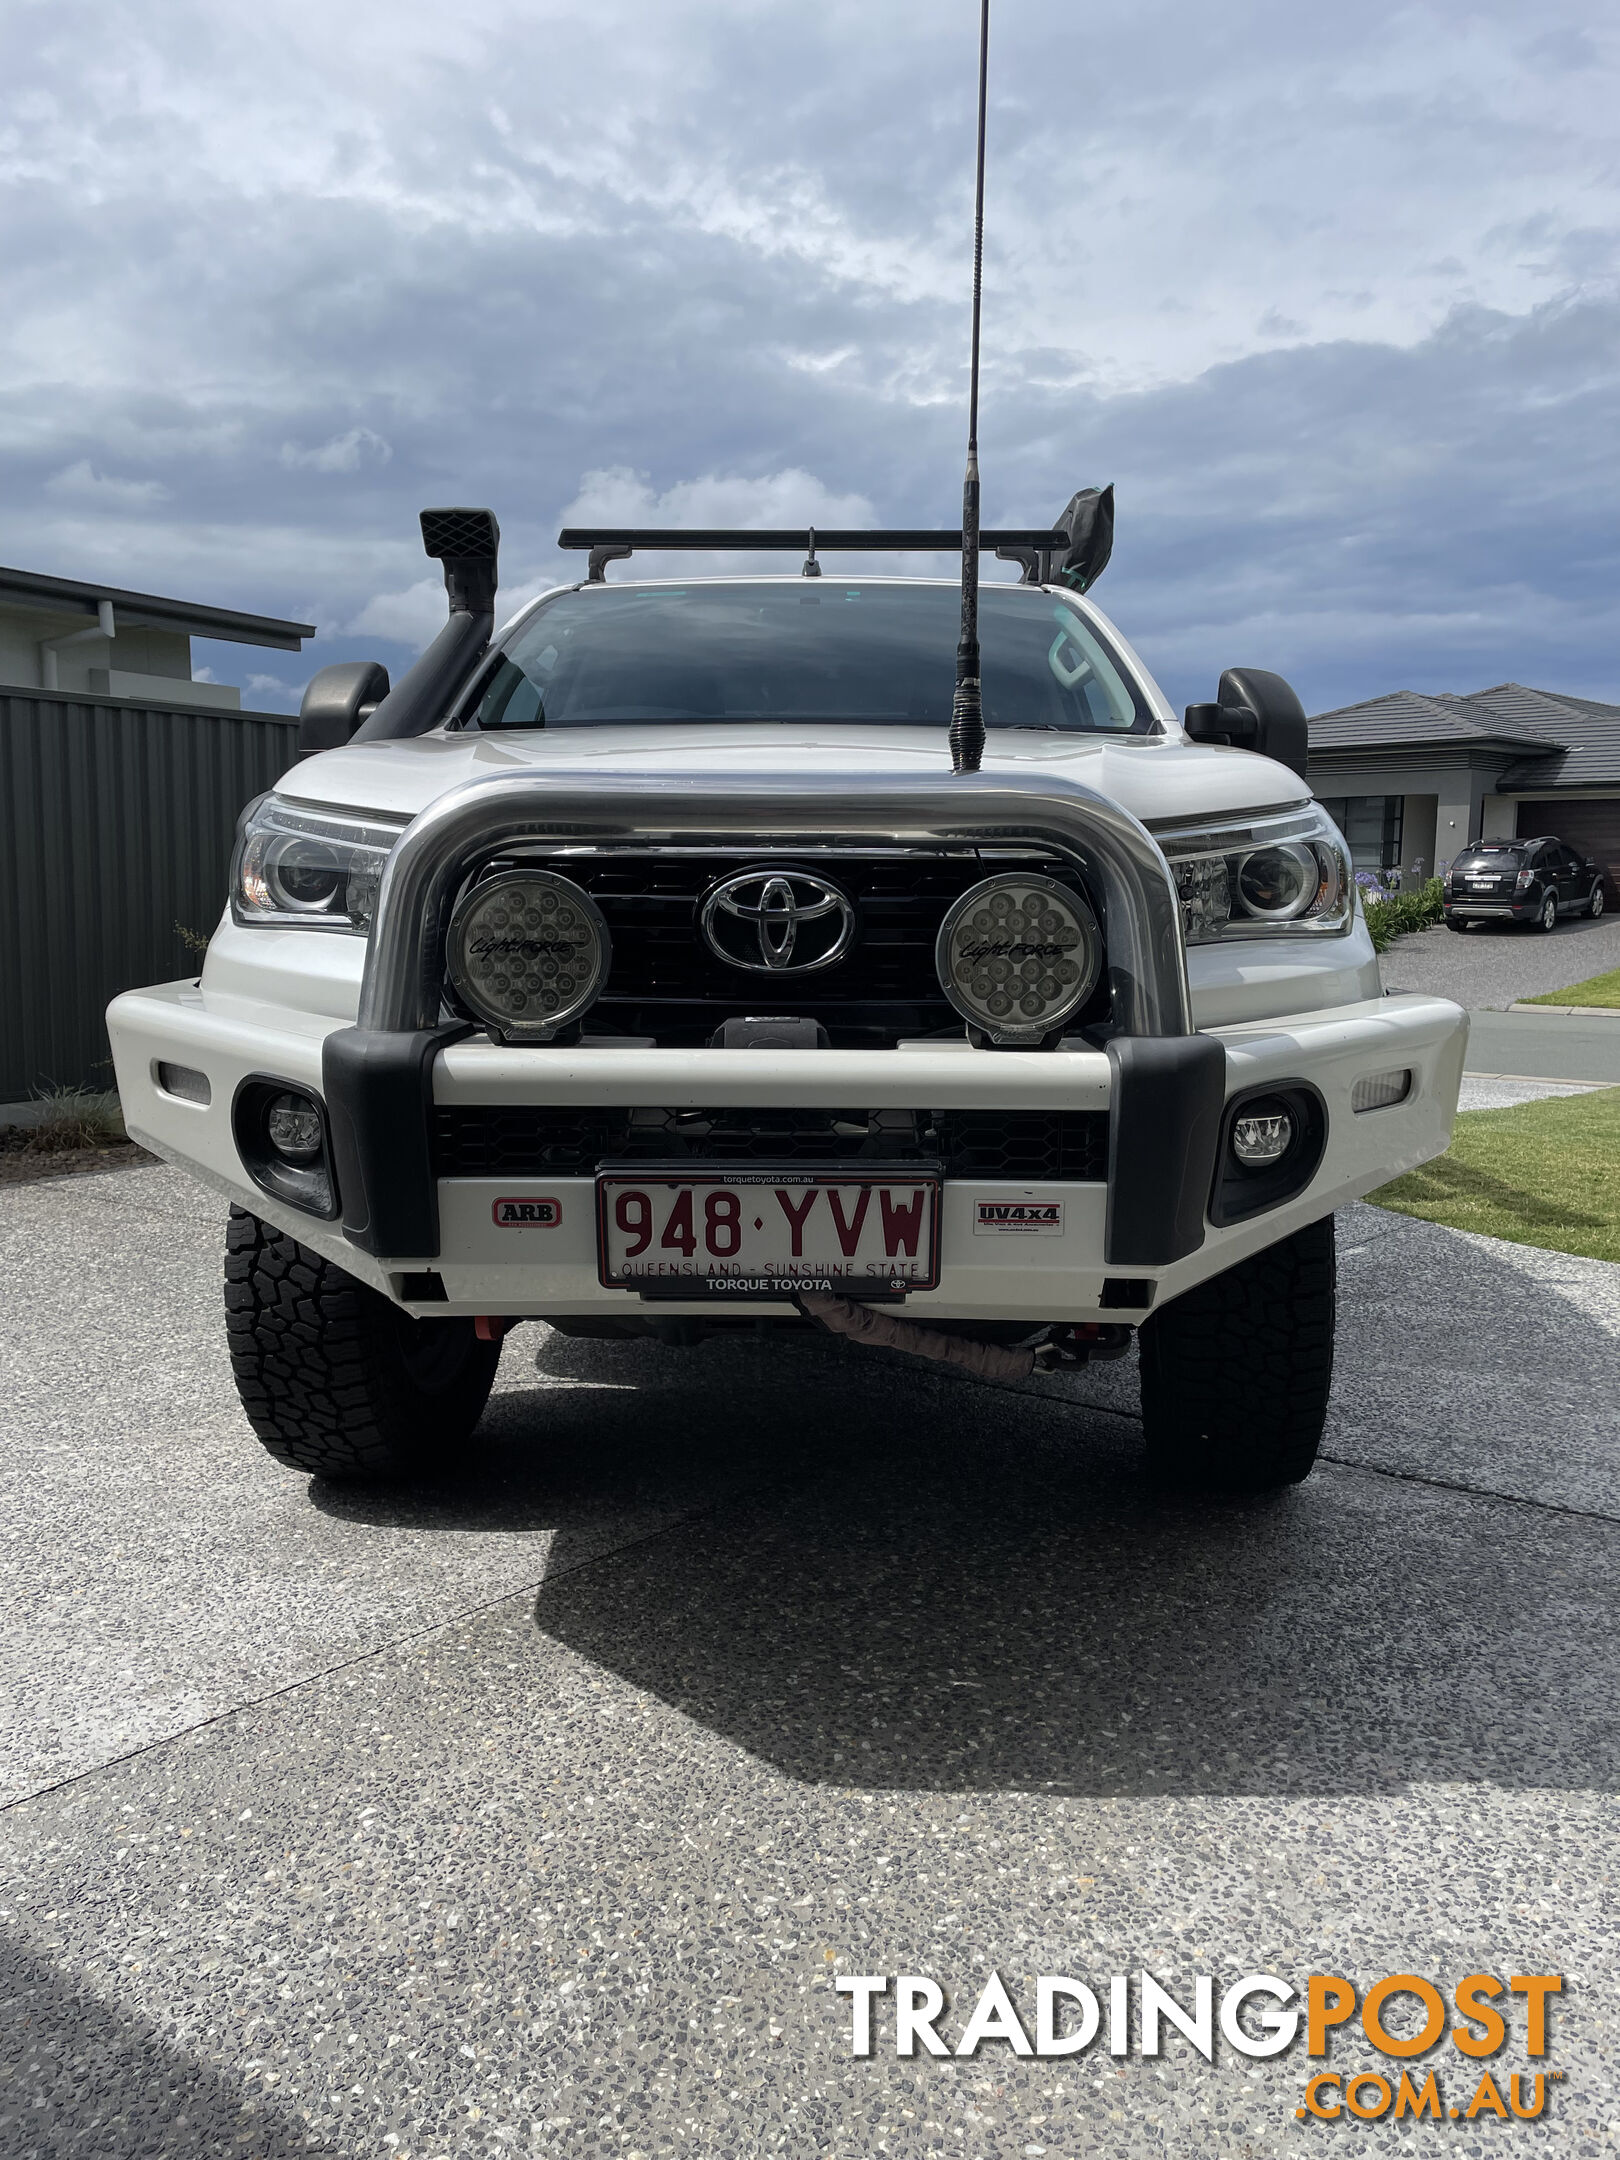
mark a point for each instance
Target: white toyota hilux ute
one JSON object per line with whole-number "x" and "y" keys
{"x": 648, "y": 970}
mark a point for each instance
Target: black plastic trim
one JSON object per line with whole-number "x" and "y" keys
{"x": 1127, "y": 1293}
{"x": 1163, "y": 1135}
{"x": 337, "y": 700}
{"x": 314, "y": 1188}
{"x": 379, "y": 1094}
{"x": 1236, "y": 1194}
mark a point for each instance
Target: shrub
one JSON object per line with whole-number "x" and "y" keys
{"x": 75, "y": 1118}
{"x": 1393, "y": 915}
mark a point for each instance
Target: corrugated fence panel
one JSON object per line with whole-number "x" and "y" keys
{"x": 116, "y": 822}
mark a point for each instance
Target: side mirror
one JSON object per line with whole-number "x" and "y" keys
{"x": 337, "y": 700}
{"x": 1255, "y": 711}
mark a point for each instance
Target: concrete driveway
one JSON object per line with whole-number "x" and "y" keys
{"x": 1494, "y": 963}
{"x": 535, "y": 1812}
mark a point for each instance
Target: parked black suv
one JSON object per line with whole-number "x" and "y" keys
{"x": 1522, "y": 881}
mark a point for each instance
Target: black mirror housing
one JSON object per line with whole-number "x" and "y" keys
{"x": 336, "y": 700}
{"x": 1254, "y": 710}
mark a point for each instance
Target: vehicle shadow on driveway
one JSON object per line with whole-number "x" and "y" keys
{"x": 880, "y": 1577}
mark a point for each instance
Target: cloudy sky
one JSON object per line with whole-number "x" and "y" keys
{"x": 1332, "y": 295}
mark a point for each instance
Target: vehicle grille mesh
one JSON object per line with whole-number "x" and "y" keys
{"x": 479, "y": 1140}
{"x": 666, "y": 983}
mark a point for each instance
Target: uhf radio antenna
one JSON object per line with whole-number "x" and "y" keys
{"x": 967, "y": 707}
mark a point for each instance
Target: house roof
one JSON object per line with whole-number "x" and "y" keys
{"x": 1556, "y": 740}
{"x": 150, "y": 611}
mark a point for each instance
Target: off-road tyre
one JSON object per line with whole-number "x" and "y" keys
{"x": 1235, "y": 1373}
{"x": 337, "y": 1381}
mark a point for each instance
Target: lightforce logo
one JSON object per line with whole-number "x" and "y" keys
{"x": 1259, "y": 2016}
{"x": 994, "y": 948}
{"x": 490, "y": 947}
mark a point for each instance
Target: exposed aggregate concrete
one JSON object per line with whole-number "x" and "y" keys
{"x": 541, "y": 1817}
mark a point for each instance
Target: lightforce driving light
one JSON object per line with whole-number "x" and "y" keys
{"x": 529, "y": 954}
{"x": 1018, "y": 955}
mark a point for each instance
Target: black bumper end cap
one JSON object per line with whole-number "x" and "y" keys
{"x": 379, "y": 1104}
{"x": 1168, "y": 1095}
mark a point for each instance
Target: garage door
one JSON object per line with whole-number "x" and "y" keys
{"x": 1590, "y": 827}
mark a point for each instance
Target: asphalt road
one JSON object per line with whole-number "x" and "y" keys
{"x": 1491, "y": 966}
{"x": 534, "y": 1812}
{"x": 1559, "y": 1046}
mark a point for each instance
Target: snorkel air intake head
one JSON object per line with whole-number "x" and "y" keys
{"x": 1089, "y": 522}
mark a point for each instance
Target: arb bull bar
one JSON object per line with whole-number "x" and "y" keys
{"x": 1168, "y": 1084}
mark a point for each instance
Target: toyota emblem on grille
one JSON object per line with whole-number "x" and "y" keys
{"x": 777, "y": 920}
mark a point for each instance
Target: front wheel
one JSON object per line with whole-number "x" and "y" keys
{"x": 335, "y": 1379}
{"x": 1236, "y": 1372}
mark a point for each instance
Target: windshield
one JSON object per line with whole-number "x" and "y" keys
{"x": 804, "y": 650}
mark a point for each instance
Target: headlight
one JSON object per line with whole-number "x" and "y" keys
{"x": 309, "y": 869}
{"x": 529, "y": 953}
{"x": 1271, "y": 876}
{"x": 1018, "y": 955}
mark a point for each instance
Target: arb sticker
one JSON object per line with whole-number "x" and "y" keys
{"x": 1025, "y": 1218}
{"x": 527, "y": 1214}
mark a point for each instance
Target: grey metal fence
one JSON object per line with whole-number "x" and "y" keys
{"x": 116, "y": 821}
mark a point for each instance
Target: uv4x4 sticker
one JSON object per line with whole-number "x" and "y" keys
{"x": 527, "y": 1214}
{"x": 1025, "y": 1218}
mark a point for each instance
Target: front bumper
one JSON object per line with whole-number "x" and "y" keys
{"x": 1130, "y": 1240}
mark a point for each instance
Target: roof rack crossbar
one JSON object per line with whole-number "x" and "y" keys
{"x": 785, "y": 542}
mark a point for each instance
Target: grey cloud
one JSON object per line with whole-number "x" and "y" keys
{"x": 1330, "y": 299}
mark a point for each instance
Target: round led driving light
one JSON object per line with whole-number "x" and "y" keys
{"x": 1275, "y": 884}
{"x": 529, "y": 953}
{"x": 1018, "y": 955}
{"x": 292, "y": 1125}
{"x": 1262, "y": 1136}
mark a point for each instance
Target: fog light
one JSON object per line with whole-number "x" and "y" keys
{"x": 529, "y": 953}
{"x": 292, "y": 1125}
{"x": 1018, "y": 956}
{"x": 1262, "y": 1137}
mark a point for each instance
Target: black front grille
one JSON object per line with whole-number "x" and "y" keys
{"x": 667, "y": 984}
{"x": 489, "y": 1141}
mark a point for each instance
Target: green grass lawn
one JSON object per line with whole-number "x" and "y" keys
{"x": 1599, "y": 990}
{"x": 1543, "y": 1173}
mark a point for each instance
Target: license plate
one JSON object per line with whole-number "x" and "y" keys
{"x": 734, "y": 1233}
{"x": 1483, "y": 884}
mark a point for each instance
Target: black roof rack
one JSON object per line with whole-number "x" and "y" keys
{"x": 1033, "y": 547}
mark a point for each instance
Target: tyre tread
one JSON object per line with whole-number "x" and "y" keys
{"x": 318, "y": 1363}
{"x": 1236, "y": 1372}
